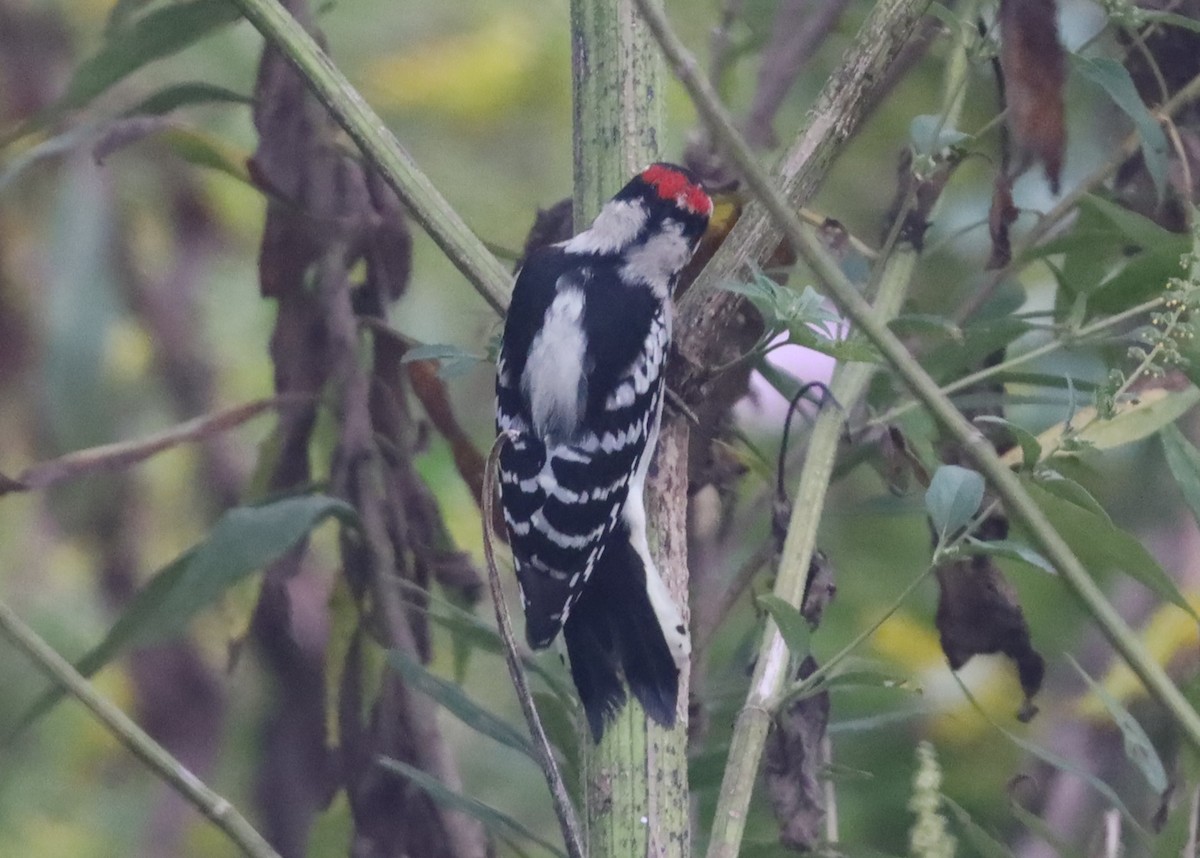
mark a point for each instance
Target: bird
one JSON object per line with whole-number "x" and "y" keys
{"x": 579, "y": 392}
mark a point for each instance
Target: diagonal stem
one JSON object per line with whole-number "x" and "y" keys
{"x": 426, "y": 204}
{"x": 216, "y": 809}
{"x": 1017, "y": 501}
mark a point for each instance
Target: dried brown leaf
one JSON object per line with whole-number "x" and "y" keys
{"x": 1001, "y": 216}
{"x": 978, "y": 614}
{"x": 1035, "y": 71}
{"x": 793, "y": 759}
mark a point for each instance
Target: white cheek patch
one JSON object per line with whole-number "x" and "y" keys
{"x": 657, "y": 261}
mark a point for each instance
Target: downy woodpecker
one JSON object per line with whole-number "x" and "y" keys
{"x": 580, "y": 383}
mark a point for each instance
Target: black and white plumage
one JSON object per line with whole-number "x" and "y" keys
{"x": 580, "y": 383}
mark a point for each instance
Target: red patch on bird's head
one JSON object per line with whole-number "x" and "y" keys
{"x": 675, "y": 186}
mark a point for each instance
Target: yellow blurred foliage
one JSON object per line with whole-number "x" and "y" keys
{"x": 908, "y": 643}
{"x": 471, "y": 76}
{"x": 914, "y": 645}
{"x": 1169, "y": 634}
{"x": 129, "y": 351}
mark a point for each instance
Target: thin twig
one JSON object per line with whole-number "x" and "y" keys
{"x": 567, "y": 819}
{"x": 124, "y": 454}
{"x": 798, "y": 30}
{"x": 1067, "y": 340}
{"x": 216, "y": 809}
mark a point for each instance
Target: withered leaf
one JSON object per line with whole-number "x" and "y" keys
{"x": 1001, "y": 216}
{"x": 1034, "y": 67}
{"x": 978, "y": 614}
{"x": 793, "y": 760}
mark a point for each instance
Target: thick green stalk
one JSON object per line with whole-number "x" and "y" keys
{"x": 770, "y": 677}
{"x": 616, "y": 74}
{"x": 397, "y": 167}
{"x": 216, "y": 809}
{"x": 637, "y": 795}
{"x": 1020, "y": 506}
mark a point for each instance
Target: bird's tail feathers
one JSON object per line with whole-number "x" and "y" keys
{"x": 614, "y": 631}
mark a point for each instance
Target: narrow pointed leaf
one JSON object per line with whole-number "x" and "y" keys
{"x": 792, "y": 626}
{"x": 983, "y": 843}
{"x": 160, "y": 33}
{"x": 1115, "y": 80}
{"x": 1138, "y": 747}
{"x": 1184, "y": 461}
{"x": 244, "y": 540}
{"x": 452, "y": 698}
{"x": 1100, "y": 545}
{"x": 497, "y": 820}
{"x": 1027, "y": 443}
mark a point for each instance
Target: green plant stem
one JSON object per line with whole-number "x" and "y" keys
{"x": 636, "y": 778}
{"x": 1017, "y": 501}
{"x": 890, "y": 283}
{"x": 616, "y": 75}
{"x": 430, "y": 209}
{"x": 1065, "y": 341}
{"x": 216, "y": 809}
{"x": 811, "y": 682}
{"x": 770, "y": 676}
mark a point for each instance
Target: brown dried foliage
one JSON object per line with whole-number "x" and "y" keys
{"x": 327, "y": 213}
{"x": 1034, "y": 66}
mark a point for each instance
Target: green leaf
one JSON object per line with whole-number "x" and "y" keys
{"x": 1030, "y": 448}
{"x": 851, "y": 675}
{"x": 185, "y": 95}
{"x": 1139, "y": 229}
{"x": 1071, "y": 491}
{"x": 466, "y": 627}
{"x": 496, "y": 820}
{"x": 1138, "y": 747}
{"x": 452, "y": 698}
{"x": 804, "y": 316}
{"x": 453, "y": 360}
{"x": 1010, "y": 550}
{"x": 1170, "y": 19}
{"x": 1100, "y": 545}
{"x": 562, "y": 730}
{"x": 1139, "y": 279}
{"x": 929, "y": 135}
{"x": 1114, "y": 79}
{"x": 1184, "y": 461}
{"x": 205, "y": 150}
{"x": 1150, "y": 412}
{"x": 792, "y": 625}
{"x": 1038, "y": 827}
{"x": 244, "y": 540}
{"x": 160, "y": 33}
{"x": 781, "y": 304}
{"x": 1061, "y": 763}
{"x": 954, "y": 495}
{"x": 853, "y": 349}
{"x": 981, "y": 841}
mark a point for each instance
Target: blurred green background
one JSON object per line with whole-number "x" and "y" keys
{"x": 479, "y": 93}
